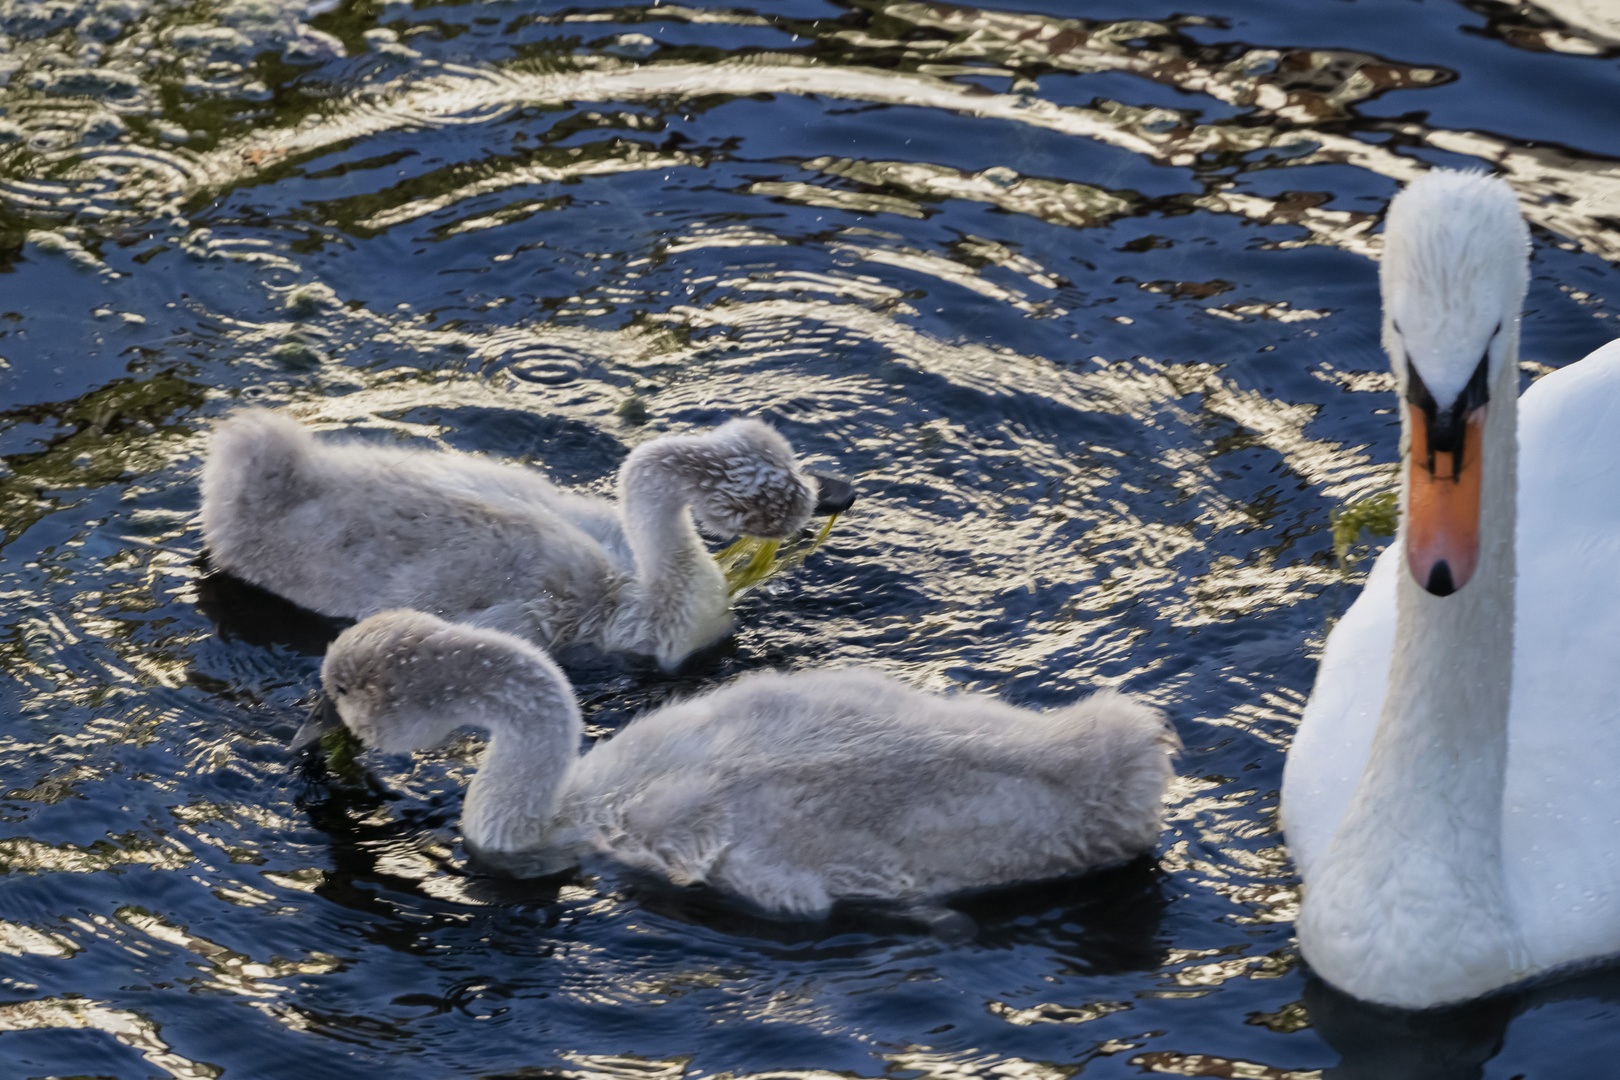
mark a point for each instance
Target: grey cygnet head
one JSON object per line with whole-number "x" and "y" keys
{"x": 404, "y": 680}
{"x": 742, "y": 479}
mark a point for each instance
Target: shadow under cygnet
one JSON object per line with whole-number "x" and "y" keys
{"x": 1103, "y": 922}
{"x": 242, "y": 611}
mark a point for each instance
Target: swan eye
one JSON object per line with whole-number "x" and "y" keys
{"x": 1445, "y": 426}
{"x": 340, "y": 689}
{"x": 1417, "y": 391}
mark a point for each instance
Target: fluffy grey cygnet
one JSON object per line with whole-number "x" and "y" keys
{"x": 789, "y": 791}
{"x": 349, "y": 530}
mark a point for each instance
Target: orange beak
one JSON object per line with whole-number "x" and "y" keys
{"x": 1442, "y": 505}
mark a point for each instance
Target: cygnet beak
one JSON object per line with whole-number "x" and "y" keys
{"x": 321, "y": 719}
{"x": 834, "y": 494}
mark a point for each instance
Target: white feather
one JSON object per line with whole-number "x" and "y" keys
{"x": 1447, "y": 855}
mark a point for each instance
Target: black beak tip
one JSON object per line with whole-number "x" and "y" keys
{"x": 1440, "y": 582}
{"x": 834, "y": 494}
{"x": 323, "y": 717}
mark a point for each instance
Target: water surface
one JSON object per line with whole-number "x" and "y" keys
{"x": 1083, "y": 294}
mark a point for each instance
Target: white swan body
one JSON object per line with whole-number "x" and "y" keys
{"x": 789, "y": 791}
{"x": 1452, "y": 798}
{"x": 349, "y": 530}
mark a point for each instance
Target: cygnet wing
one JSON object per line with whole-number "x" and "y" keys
{"x": 521, "y": 488}
{"x": 954, "y": 793}
{"x": 350, "y": 531}
{"x": 847, "y": 783}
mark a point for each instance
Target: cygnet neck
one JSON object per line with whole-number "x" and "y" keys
{"x": 1409, "y": 899}
{"x": 678, "y": 585}
{"x": 534, "y": 731}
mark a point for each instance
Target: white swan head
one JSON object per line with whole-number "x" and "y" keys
{"x": 1454, "y": 275}
{"x": 741, "y": 479}
{"x": 404, "y": 680}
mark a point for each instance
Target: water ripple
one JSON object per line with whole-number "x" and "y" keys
{"x": 1084, "y": 305}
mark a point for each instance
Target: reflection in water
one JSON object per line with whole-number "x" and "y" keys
{"x": 128, "y": 1028}
{"x": 20, "y": 855}
{"x": 241, "y": 610}
{"x": 1577, "y": 27}
{"x": 1388, "y": 1044}
{"x": 1084, "y": 301}
{"x": 1452, "y": 1043}
{"x": 123, "y": 428}
{"x": 1292, "y": 97}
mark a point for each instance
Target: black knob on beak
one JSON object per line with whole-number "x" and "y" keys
{"x": 321, "y": 719}
{"x": 834, "y": 494}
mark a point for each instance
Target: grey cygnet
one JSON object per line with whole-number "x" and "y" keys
{"x": 349, "y": 530}
{"x": 789, "y": 791}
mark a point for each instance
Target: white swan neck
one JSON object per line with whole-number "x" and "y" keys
{"x": 1408, "y": 906}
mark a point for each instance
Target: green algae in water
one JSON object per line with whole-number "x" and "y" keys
{"x": 752, "y": 559}
{"x": 297, "y": 355}
{"x": 1377, "y": 515}
{"x": 633, "y": 411}
{"x": 126, "y": 427}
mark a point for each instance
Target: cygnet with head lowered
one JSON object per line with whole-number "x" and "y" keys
{"x": 789, "y": 791}
{"x": 348, "y": 530}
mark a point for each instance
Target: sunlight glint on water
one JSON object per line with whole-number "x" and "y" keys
{"x": 1085, "y": 304}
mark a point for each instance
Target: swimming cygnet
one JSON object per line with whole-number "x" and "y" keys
{"x": 787, "y": 790}
{"x": 349, "y": 530}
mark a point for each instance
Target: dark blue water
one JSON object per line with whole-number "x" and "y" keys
{"x": 1081, "y": 293}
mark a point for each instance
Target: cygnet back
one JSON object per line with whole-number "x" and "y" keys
{"x": 794, "y": 790}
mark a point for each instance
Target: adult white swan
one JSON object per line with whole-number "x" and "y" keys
{"x": 1452, "y": 798}
{"x": 789, "y": 791}
{"x": 350, "y": 530}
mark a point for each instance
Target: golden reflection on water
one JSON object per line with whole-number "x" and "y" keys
{"x": 624, "y": 1067}
{"x": 17, "y": 940}
{"x": 1078, "y": 527}
{"x": 1049, "y": 1013}
{"x": 123, "y": 428}
{"x": 929, "y": 1065}
{"x": 1168, "y": 1062}
{"x": 127, "y": 1027}
{"x": 1058, "y": 202}
{"x": 21, "y": 855}
{"x": 228, "y": 971}
{"x": 572, "y": 165}
{"x": 1300, "y": 88}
